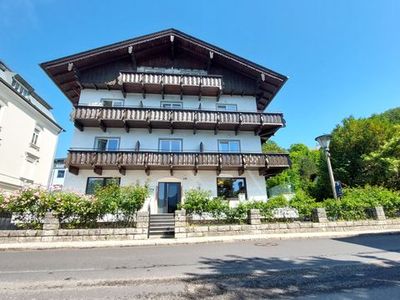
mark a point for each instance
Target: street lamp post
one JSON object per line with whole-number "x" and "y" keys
{"x": 323, "y": 141}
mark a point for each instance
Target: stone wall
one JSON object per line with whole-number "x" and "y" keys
{"x": 292, "y": 227}
{"x": 52, "y": 233}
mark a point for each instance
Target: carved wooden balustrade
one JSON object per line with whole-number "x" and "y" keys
{"x": 163, "y": 83}
{"x": 263, "y": 124}
{"x": 267, "y": 164}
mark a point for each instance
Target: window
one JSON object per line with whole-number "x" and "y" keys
{"x": 35, "y": 136}
{"x": 106, "y": 144}
{"x": 19, "y": 88}
{"x": 112, "y": 102}
{"x": 229, "y": 146}
{"x": 173, "y": 105}
{"x": 97, "y": 182}
{"x": 60, "y": 173}
{"x": 227, "y": 107}
{"x": 230, "y": 188}
{"x": 172, "y": 145}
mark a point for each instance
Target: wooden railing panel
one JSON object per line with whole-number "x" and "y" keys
{"x": 85, "y": 159}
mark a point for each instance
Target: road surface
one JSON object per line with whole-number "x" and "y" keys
{"x": 364, "y": 267}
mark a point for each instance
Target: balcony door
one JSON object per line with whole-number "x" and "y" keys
{"x": 169, "y": 196}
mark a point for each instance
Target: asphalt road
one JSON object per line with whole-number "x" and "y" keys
{"x": 365, "y": 267}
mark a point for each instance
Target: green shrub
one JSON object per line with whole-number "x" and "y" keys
{"x": 131, "y": 200}
{"x": 356, "y": 203}
{"x": 217, "y": 207}
{"x": 304, "y": 204}
{"x": 196, "y": 201}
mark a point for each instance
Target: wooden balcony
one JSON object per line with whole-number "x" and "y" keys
{"x": 175, "y": 84}
{"x": 267, "y": 164}
{"x": 263, "y": 124}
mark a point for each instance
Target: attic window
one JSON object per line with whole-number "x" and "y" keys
{"x": 20, "y": 88}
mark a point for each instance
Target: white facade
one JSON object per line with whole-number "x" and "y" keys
{"x": 207, "y": 180}
{"x": 28, "y": 134}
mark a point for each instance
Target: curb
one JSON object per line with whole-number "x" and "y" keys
{"x": 188, "y": 241}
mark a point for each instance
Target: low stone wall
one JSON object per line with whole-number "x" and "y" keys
{"x": 292, "y": 227}
{"x": 52, "y": 233}
{"x": 72, "y": 235}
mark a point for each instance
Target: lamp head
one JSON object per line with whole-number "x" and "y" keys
{"x": 324, "y": 141}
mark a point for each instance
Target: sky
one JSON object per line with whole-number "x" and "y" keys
{"x": 342, "y": 57}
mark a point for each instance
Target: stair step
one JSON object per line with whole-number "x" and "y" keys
{"x": 162, "y": 222}
{"x": 161, "y": 231}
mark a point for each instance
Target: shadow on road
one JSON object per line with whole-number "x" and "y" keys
{"x": 377, "y": 241}
{"x": 238, "y": 277}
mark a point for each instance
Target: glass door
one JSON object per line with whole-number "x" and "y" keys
{"x": 169, "y": 195}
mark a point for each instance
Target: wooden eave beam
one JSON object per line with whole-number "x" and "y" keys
{"x": 132, "y": 57}
{"x": 172, "y": 38}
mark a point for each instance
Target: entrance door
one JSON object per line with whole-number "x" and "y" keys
{"x": 169, "y": 195}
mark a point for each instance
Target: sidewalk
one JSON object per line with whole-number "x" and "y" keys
{"x": 194, "y": 240}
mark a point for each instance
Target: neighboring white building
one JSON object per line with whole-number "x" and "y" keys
{"x": 57, "y": 174}
{"x": 28, "y": 134}
{"x": 171, "y": 111}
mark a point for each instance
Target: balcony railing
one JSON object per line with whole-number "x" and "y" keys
{"x": 263, "y": 124}
{"x": 267, "y": 164}
{"x": 163, "y": 83}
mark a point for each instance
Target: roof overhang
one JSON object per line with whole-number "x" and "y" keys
{"x": 65, "y": 71}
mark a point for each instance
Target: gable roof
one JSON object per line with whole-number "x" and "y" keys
{"x": 65, "y": 71}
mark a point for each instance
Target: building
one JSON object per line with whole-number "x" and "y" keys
{"x": 28, "y": 134}
{"x": 57, "y": 174}
{"x": 171, "y": 111}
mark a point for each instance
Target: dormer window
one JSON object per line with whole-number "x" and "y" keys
{"x": 112, "y": 102}
{"x": 20, "y": 88}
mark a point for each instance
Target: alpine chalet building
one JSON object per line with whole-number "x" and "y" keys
{"x": 173, "y": 112}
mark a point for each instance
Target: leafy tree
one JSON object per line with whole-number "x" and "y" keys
{"x": 272, "y": 147}
{"x": 353, "y": 139}
{"x": 304, "y": 169}
{"x": 383, "y": 165}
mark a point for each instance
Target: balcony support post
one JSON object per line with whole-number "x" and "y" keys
{"x": 200, "y": 87}
{"x": 181, "y": 86}
{"x": 78, "y": 125}
{"x": 73, "y": 170}
{"x": 219, "y": 167}
{"x": 122, "y": 170}
{"x": 102, "y": 126}
{"x": 237, "y": 128}
{"x": 146, "y": 164}
{"x": 196, "y": 162}
{"x": 98, "y": 170}
{"x": 217, "y": 124}
{"x": 123, "y": 90}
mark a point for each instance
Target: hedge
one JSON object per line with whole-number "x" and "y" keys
{"x": 75, "y": 210}
{"x": 356, "y": 204}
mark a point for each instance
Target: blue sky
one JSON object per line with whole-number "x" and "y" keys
{"x": 342, "y": 57}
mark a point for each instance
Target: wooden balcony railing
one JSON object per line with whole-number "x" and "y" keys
{"x": 178, "y": 84}
{"x": 263, "y": 124}
{"x": 267, "y": 164}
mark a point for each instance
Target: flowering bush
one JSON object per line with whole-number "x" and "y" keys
{"x": 30, "y": 205}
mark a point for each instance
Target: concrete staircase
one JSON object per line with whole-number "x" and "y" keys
{"x": 162, "y": 226}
